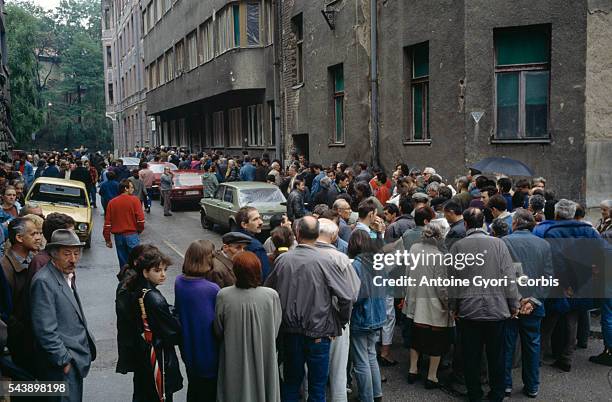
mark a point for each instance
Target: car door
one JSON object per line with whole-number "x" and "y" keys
{"x": 212, "y": 205}
{"x": 226, "y": 208}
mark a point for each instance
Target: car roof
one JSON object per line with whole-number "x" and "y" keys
{"x": 60, "y": 182}
{"x": 245, "y": 185}
{"x": 192, "y": 171}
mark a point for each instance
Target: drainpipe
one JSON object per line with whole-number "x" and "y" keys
{"x": 374, "y": 80}
{"x": 279, "y": 138}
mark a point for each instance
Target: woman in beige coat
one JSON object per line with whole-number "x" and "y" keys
{"x": 427, "y": 306}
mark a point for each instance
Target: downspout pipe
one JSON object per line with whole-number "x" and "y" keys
{"x": 374, "y": 81}
{"x": 278, "y": 127}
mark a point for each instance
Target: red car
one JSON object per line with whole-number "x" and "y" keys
{"x": 158, "y": 168}
{"x": 187, "y": 187}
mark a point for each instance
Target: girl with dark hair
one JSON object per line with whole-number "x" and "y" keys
{"x": 381, "y": 187}
{"x": 368, "y": 316}
{"x": 157, "y": 329}
{"x": 283, "y": 239}
{"x": 247, "y": 321}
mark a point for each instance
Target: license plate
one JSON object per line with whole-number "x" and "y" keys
{"x": 192, "y": 192}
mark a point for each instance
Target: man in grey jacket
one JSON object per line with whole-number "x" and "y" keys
{"x": 316, "y": 300}
{"x": 58, "y": 321}
{"x": 481, "y": 310}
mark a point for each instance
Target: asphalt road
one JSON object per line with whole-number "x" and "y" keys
{"x": 97, "y": 284}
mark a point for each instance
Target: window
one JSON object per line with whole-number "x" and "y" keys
{"x": 218, "y": 129}
{"x": 192, "y": 50}
{"x": 150, "y": 16}
{"x": 269, "y": 21}
{"x": 180, "y": 58}
{"x": 228, "y": 28}
{"x": 522, "y": 79}
{"x": 158, "y": 9}
{"x": 166, "y": 6}
{"x": 145, "y": 21}
{"x": 109, "y": 57}
{"x": 207, "y": 51}
{"x": 255, "y": 130}
{"x": 337, "y": 78}
{"x": 229, "y": 195}
{"x": 298, "y": 30}
{"x": 419, "y": 92}
{"x": 147, "y": 79}
{"x": 110, "y": 94}
{"x": 161, "y": 66}
{"x": 170, "y": 65}
{"x": 253, "y": 24}
{"x": 107, "y": 19}
{"x": 272, "y": 123}
{"x": 235, "y": 127}
{"x": 207, "y": 131}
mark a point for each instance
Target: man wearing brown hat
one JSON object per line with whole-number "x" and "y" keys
{"x": 58, "y": 321}
{"x": 233, "y": 243}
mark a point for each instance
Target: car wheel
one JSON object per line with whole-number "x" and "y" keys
{"x": 206, "y": 224}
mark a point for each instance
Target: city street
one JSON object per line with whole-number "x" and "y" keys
{"x": 97, "y": 283}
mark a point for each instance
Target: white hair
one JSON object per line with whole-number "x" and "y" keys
{"x": 436, "y": 229}
{"x": 328, "y": 228}
{"x": 565, "y": 209}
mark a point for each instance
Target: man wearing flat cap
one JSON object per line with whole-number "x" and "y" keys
{"x": 233, "y": 243}
{"x": 58, "y": 321}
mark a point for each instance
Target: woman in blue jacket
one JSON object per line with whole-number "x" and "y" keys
{"x": 368, "y": 317}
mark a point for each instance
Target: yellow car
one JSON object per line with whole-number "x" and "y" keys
{"x": 67, "y": 197}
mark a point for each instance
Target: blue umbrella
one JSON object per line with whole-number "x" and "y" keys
{"x": 507, "y": 166}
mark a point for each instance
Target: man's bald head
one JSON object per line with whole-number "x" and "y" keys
{"x": 474, "y": 218}
{"x": 308, "y": 230}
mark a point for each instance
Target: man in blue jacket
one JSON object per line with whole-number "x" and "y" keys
{"x": 250, "y": 223}
{"x": 535, "y": 256}
{"x": 247, "y": 171}
{"x": 579, "y": 261}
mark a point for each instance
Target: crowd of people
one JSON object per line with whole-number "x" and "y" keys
{"x": 299, "y": 314}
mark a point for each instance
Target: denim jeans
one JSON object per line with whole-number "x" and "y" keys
{"x": 300, "y": 350}
{"x": 475, "y": 335}
{"x": 387, "y": 330}
{"x": 528, "y": 328}
{"x": 365, "y": 364}
{"x": 338, "y": 360}
{"x": 606, "y": 322}
{"x": 124, "y": 244}
{"x": 149, "y": 197}
{"x": 92, "y": 195}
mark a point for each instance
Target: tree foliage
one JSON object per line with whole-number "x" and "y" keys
{"x": 70, "y": 110}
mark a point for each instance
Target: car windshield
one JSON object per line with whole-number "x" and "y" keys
{"x": 192, "y": 179}
{"x": 59, "y": 194}
{"x": 260, "y": 195}
{"x": 159, "y": 167}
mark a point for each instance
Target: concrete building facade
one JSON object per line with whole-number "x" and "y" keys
{"x": 210, "y": 74}
{"x": 457, "y": 81}
{"x": 122, "y": 41}
{"x": 6, "y": 136}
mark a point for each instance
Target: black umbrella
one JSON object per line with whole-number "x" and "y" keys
{"x": 507, "y": 166}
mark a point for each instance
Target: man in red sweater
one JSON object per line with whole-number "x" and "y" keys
{"x": 124, "y": 218}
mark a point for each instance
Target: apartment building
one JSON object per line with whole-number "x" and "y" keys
{"x": 122, "y": 40}
{"x": 6, "y": 136}
{"x": 455, "y": 81}
{"x": 210, "y": 74}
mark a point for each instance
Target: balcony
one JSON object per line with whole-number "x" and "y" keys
{"x": 237, "y": 69}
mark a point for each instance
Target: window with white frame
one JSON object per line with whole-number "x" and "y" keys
{"x": 269, "y": 21}
{"x": 161, "y": 65}
{"x": 253, "y": 23}
{"x": 218, "y": 129}
{"x": 179, "y": 53}
{"x": 235, "y": 127}
{"x": 192, "y": 50}
{"x": 168, "y": 5}
{"x": 255, "y": 125}
{"x": 145, "y": 20}
{"x": 228, "y": 28}
{"x": 206, "y": 51}
{"x": 170, "y": 64}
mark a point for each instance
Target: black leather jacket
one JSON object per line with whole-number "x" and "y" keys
{"x": 295, "y": 205}
{"x": 166, "y": 330}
